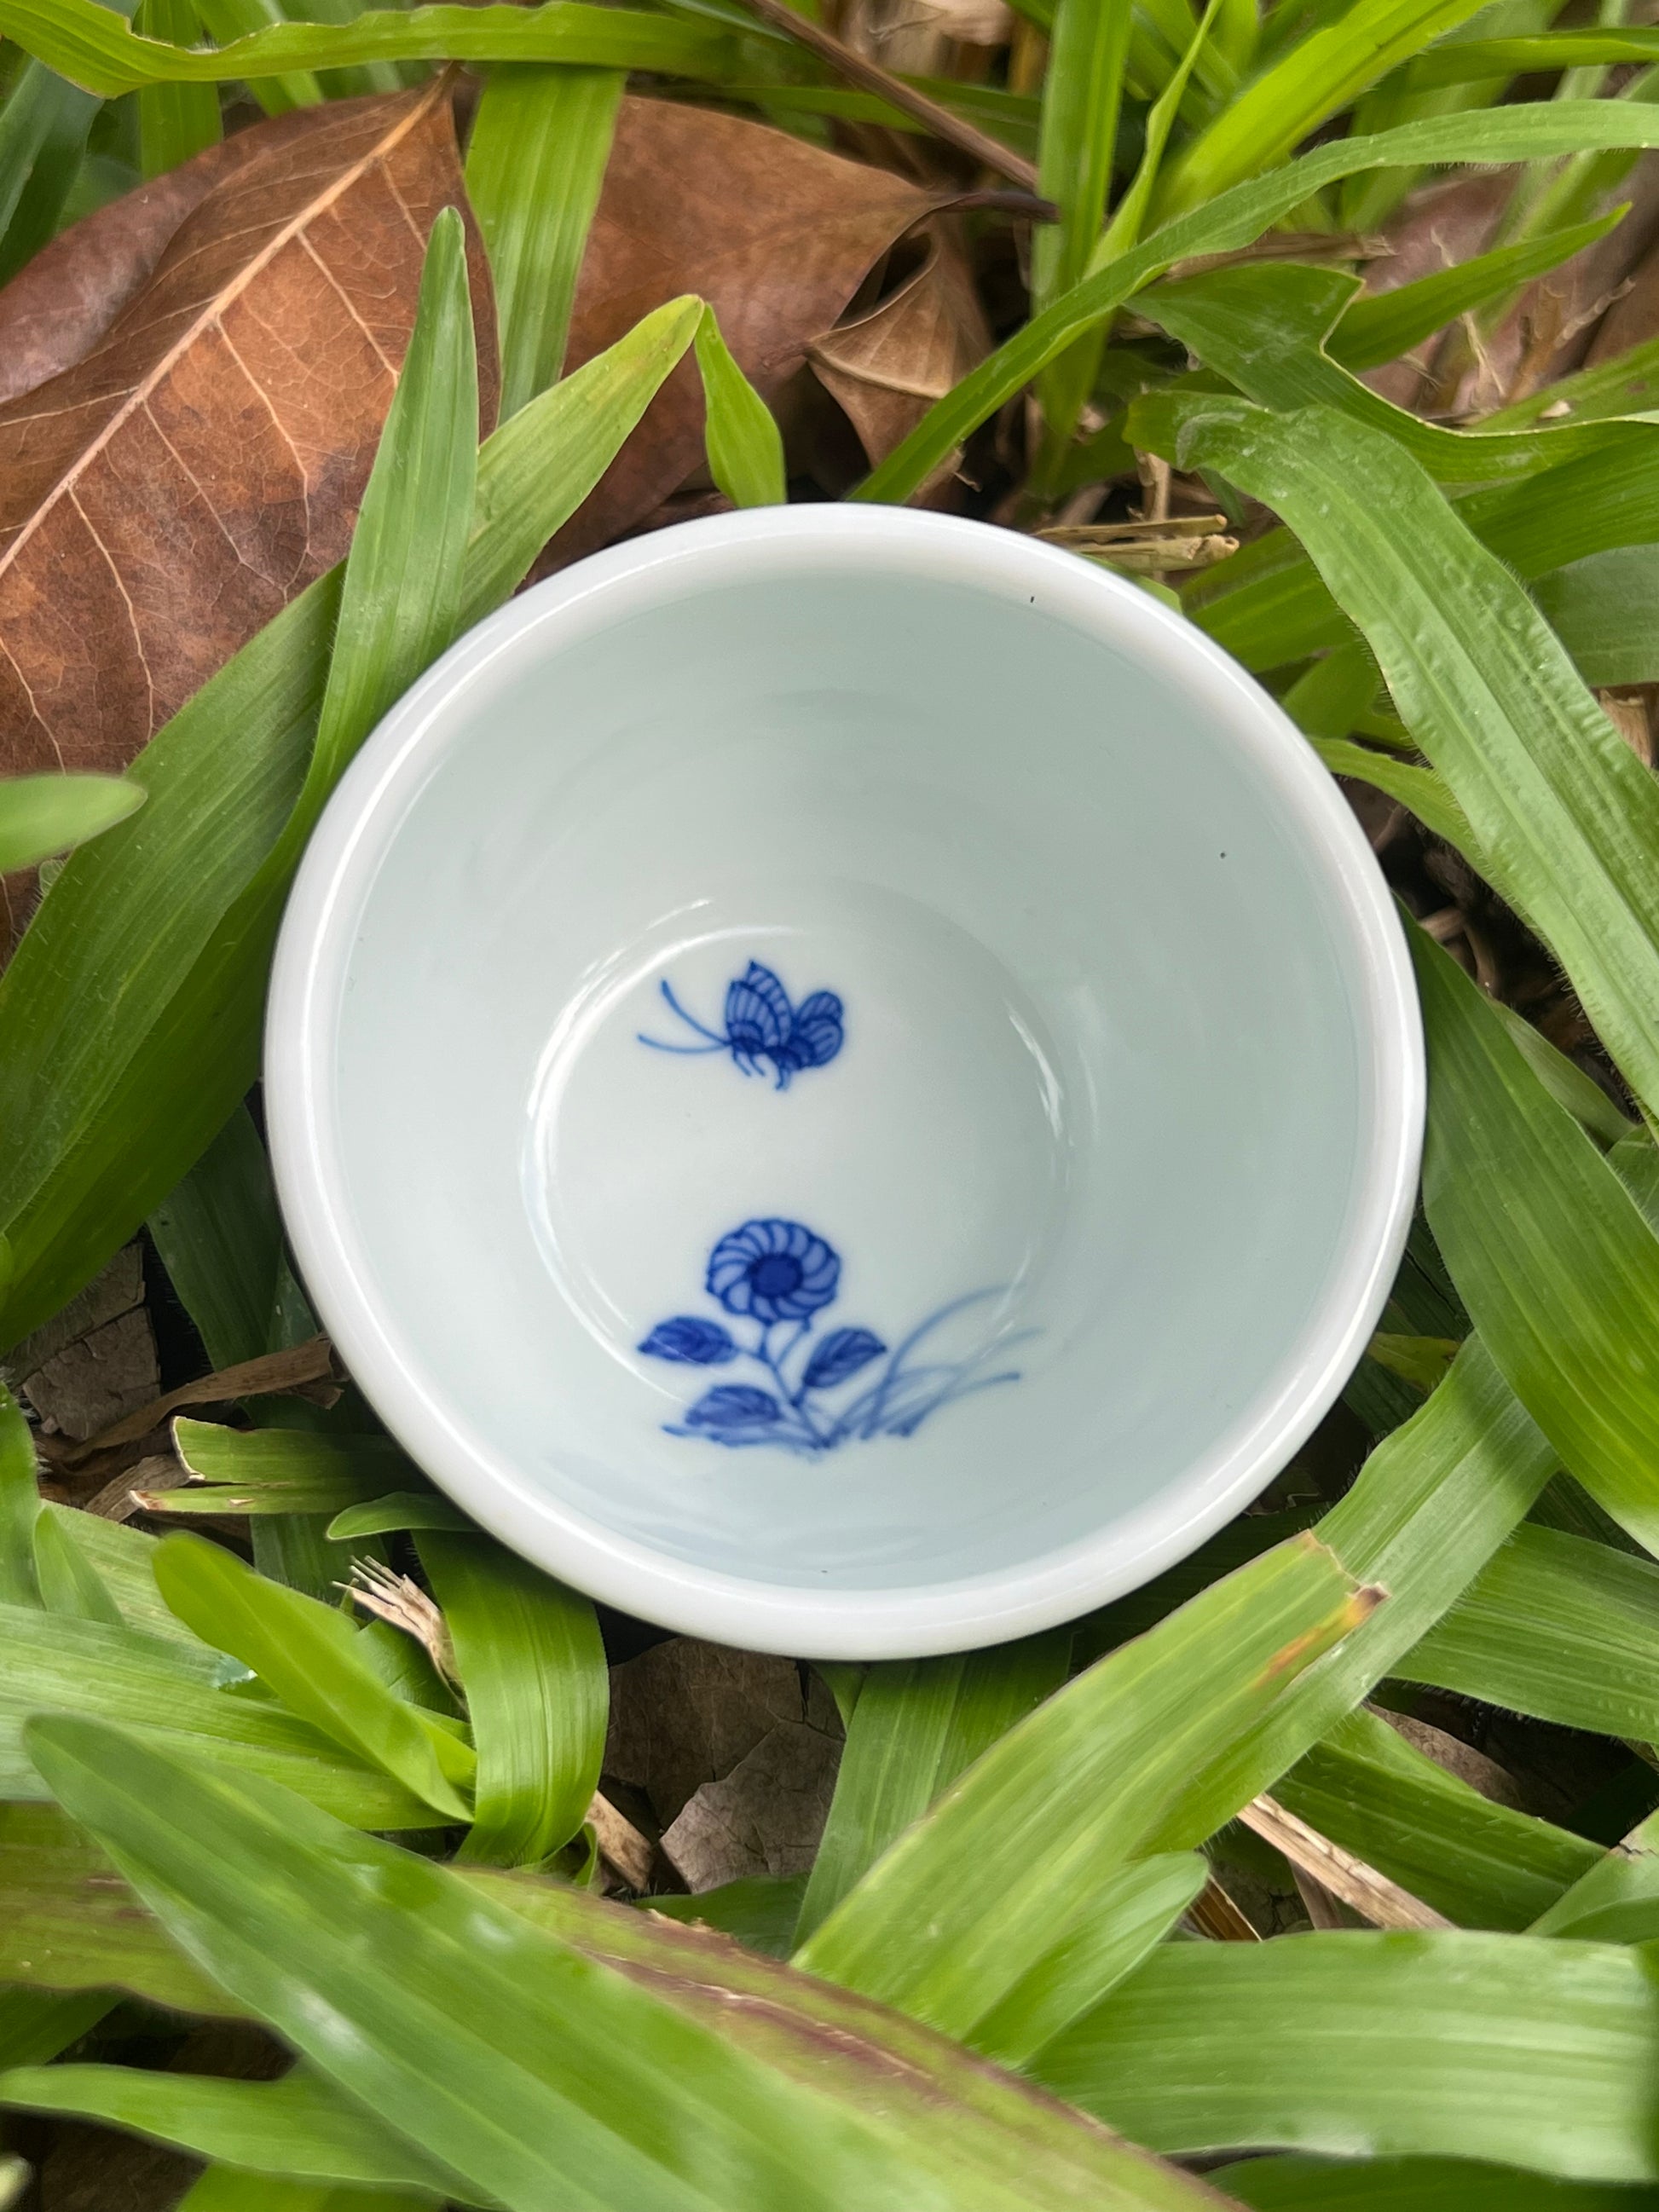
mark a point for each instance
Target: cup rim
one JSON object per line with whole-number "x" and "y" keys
{"x": 914, "y": 1621}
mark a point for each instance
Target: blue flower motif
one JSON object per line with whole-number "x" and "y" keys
{"x": 762, "y": 1028}
{"x": 694, "y": 1341}
{"x": 774, "y": 1270}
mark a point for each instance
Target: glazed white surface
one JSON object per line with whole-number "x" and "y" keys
{"x": 1130, "y": 1042}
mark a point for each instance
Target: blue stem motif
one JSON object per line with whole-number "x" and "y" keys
{"x": 778, "y": 1276}
{"x": 763, "y": 1029}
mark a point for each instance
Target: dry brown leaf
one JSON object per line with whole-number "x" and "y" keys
{"x": 767, "y": 1816}
{"x": 1456, "y": 1758}
{"x": 621, "y": 1845}
{"x": 1438, "y": 227}
{"x": 96, "y": 1361}
{"x": 776, "y": 234}
{"x": 296, "y": 1370}
{"x": 684, "y": 1713}
{"x": 887, "y": 367}
{"x": 163, "y": 498}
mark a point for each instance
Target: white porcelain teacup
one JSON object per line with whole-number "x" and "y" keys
{"x": 844, "y": 1080}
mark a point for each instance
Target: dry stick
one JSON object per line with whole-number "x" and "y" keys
{"x": 272, "y": 1372}
{"x": 1213, "y": 1913}
{"x": 621, "y": 1845}
{"x": 1372, "y": 1895}
{"x": 870, "y": 74}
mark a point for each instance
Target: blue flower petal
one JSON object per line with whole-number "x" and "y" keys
{"x": 694, "y": 1342}
{"x": 734, "y": 1406}
{"x": 841, "y": 1354}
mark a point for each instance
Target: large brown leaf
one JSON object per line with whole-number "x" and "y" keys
{"x": 777, "y": 235}
{"x": 166, "y": 494}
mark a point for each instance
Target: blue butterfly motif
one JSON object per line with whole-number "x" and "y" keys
{"x": 763, "y": 1029}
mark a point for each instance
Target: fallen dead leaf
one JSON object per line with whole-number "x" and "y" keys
{"x": 95, "y": 1362}
{"x": 767, "y": 1816}
{"x": 165, "y": 495}
{"x": 685, "y": 1713}
{"x": 778, "y": 235}
{"x": 1457, "y": 1758}
{"x": 885, "y": 368}
{"x": 297, "y": 1370}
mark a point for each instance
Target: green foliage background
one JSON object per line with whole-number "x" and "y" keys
{"x": 221, "y": 1795}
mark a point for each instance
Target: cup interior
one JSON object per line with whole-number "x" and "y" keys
{"x": 800, "y": 934}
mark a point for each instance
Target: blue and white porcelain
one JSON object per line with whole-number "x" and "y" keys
{"x": 844, "y": 1081}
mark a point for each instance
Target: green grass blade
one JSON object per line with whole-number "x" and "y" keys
{"x": 1549, "y": 1252}
{"x": 281, "y": 1470}
{"x": 400, "y": 599}
{"x": 398, "y": 1509}
{"x": 539, "y": 2076}
{"x": 1556, "y": 1626}
{"x": 1077, "y": 138}
{"x": 175, "y": 121}
{"x": 1317, "y": 78}
{"x": 35, "y": 2025}
{"x": 51, "y": 1661}
{"x": 917, "y": 1724}
{"x": 70, "y": 1583}
{"x": 303, "y": 1651}
{"x": 1264, "y": 326}
{"x": 532, "y": 1667}
{"x": 1465, "y": 61}
{"x": 1565, "y": 817}
{"x": 82, "y": 42}
{"x": 1511, "y": 2048}
{"x": 1131, "y": 1914}
{"x": 1382, "y": 326}
{"x": 1481, "y": 1864}
{"x": 1268, "y": 604}
{"x": 224, "y": 2188}
{"x": 297, "y": 2128}
{"x": 1419, "y": 788}
{"x": 744, "y": 445}
{"x": 1417, "y": 2185}
{"x": 1617, "y": 1899}
{"x": 40, "y": 815}
{"x": 44, "y": 126}
{"x": 1430, "y": 1506}
{"x": 1236, "y": 218}
{"x": 220, "y": 1238}
{"x": 20, "y": 1505}
{"x": 1010, "y": 1861}
{"x": 1604, "y": 609}
{"x": 71, "y": 1923}
{"x": 130, "y": 1014}
{"x": 534, "y": 168}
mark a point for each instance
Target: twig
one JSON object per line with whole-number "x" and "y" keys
{"x": 403, "y": 1603}
{"x": 874, "y": 78}
{"x": 1372, "y": 1895}
{"x": 1213, "y": 1913}
{"x": 274, "y": 1371}
{"x": 621, "y": 1845}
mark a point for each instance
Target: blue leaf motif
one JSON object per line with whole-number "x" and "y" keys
{"x": 841, "y": 1354}
{"x": 734, "y": 1406}
{"x": 757, "y": 1014}
{"x": 691, "y": 1340}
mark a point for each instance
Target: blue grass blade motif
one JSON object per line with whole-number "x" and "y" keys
{"x": 780, "y": 1276}
{"x": 762, "y": 1029}
{"x": 692, "y": 1340}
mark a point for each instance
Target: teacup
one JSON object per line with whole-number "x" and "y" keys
{"x": 844, "y": 1081}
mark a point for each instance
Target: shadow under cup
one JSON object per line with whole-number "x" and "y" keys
{"x": 1083, "y": 1046}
